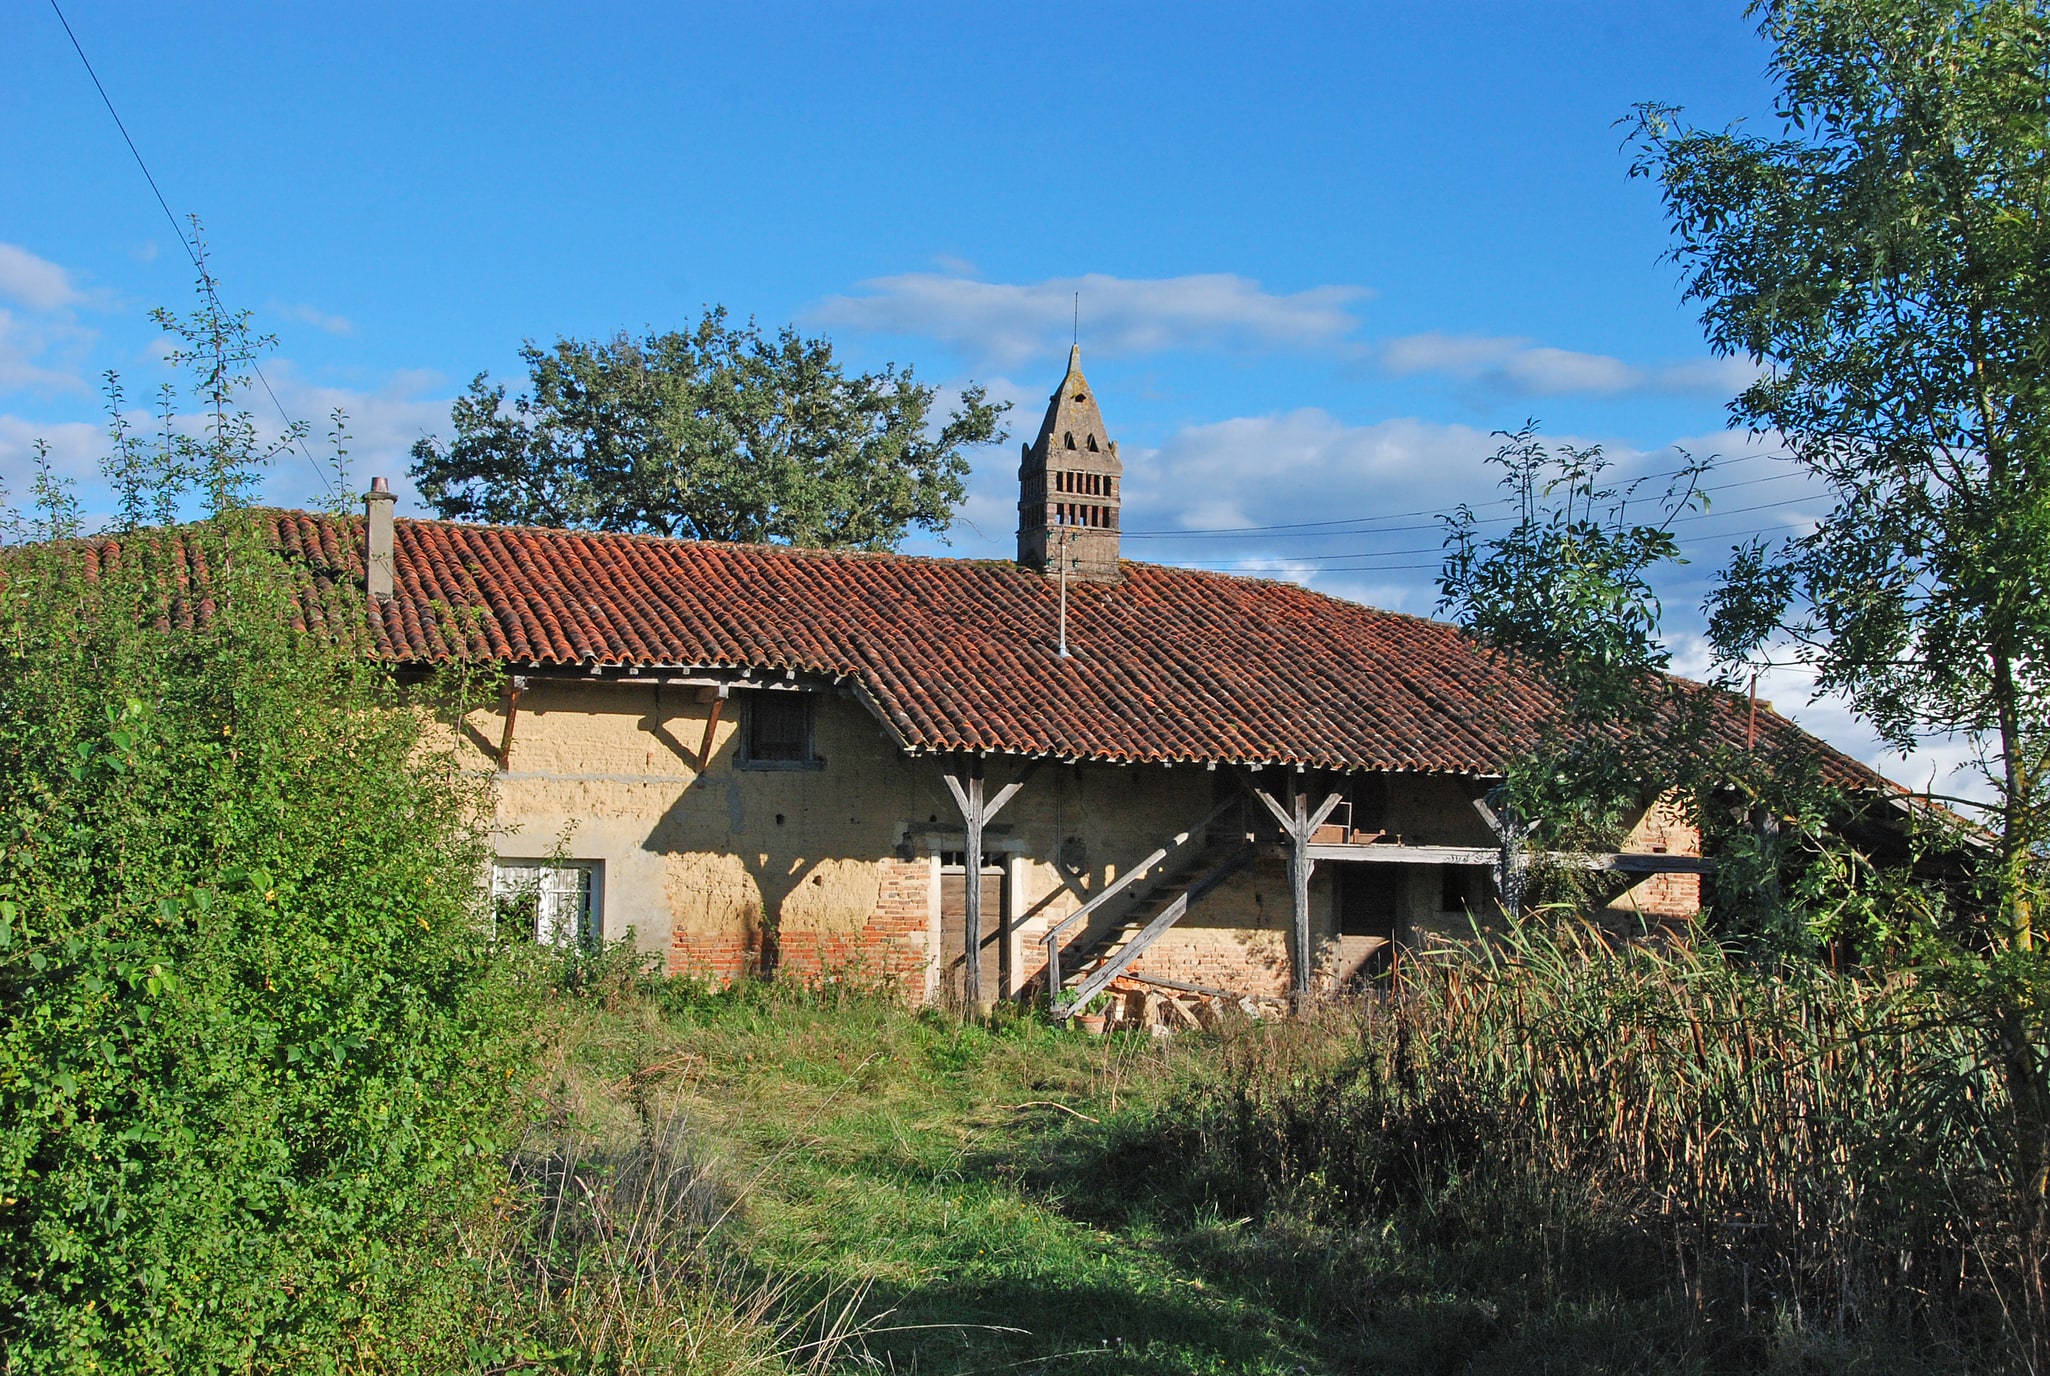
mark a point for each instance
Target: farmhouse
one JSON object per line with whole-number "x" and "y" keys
{"x": 976, "y": 779}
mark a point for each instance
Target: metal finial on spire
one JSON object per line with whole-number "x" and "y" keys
{"x": 1075, "y": 336}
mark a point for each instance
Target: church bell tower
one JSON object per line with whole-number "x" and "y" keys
{"x": 1069, "y": 483}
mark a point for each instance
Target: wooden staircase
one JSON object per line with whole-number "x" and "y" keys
{"x": 1162, "y": 905}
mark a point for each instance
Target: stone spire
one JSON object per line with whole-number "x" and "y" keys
{"x": 1069, "y": 481}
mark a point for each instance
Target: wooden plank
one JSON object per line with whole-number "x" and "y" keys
{"x": 1405, "y": 855}
{"x": 1622, "y": 862}
{"x": 1117, "y": 886}
{"x": 1187, "y": 988}
{"x": 1167, "y": 917}
{"x": 711, "y": 729}
{"x": 1281, "y": 814}
{"x": 971, "y": 921}
{"x": 1631, "y": 862}
{"x": 1008, "y": 792}
{"x": 512, "y": 713}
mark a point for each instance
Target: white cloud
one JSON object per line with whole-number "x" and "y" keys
{"x": 1522, "y": 368}
{"x": 75, "y": 449}
{"x": 1276, "y": 470}
{"x": 319, "y": 319}
{"x": 1005, "y": 323}
{"x": 383, "y": 423}
{"x": 24, "y": 345}
{"x": 36, "y": 283}
{"x": 1944, "y": 764}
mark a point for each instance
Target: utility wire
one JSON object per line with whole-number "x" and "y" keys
{"x": 191, "y": 249}
{"x": 1295, "y": 533}
{"x": 1313, "y": 528}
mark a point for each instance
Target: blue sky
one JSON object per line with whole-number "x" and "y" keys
{"x": 1322, "y": 253}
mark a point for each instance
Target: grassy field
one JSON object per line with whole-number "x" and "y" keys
{"x": 843, "y": 1185}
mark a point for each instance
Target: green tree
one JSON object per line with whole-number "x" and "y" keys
{"x": 256, "y": 1051}
{"x": 721, "y": 433}
{"x": 1886, "y": 257}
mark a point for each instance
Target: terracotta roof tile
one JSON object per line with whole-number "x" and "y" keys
{"x": 1167, "y": 664}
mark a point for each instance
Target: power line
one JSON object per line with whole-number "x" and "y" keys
{"x": 1299, "y": 559}
{"x": 191, "y": 249}
{"x": 1282, "y": 564}
{"x": 1374, "y": 524}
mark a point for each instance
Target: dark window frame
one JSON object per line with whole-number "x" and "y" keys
{"x": 807, "y": 756}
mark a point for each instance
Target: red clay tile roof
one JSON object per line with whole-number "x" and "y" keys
{"x": 957, "y": 654}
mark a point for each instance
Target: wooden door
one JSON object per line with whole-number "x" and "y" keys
{"x": 954, "y": 933}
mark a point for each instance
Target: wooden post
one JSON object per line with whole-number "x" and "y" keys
{"x": 976, "y": 812}
{"x": 711, "y": 730}
{"x": 1512, "y": 862}
{"x": 1299, "y": 823}
{"x": 1512, "y": 867}
{"x": 971, "y": 958}
{"x": 512, "y": 712}
{"x": 1299, "y": 867}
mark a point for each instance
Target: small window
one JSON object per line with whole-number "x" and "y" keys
{"x": 554, "y": 902}
{"x": 1092, "y": 445}
{"x": 779, "y": 729}
{"x": 1069, "y": 439}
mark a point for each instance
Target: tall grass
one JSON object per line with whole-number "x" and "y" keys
{"x": 613, "y": 1249}
{"x": 1797, "y": 1149}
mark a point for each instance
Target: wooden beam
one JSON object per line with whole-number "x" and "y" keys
{"x": 1132, "y": 875}
{"x": 1377, "y": 854}
{"x": 967, "y": 791}
{"x": 513, "y": 690}
{"x": 1621, "y": 862}
{"x": 1299, "y": 823}
{"x": 711, "y": 729}
{"x": 1512, "y": 864}
{"x": 1167, "y": 917}
{"x": 1300, "y": 868}
{"x": 1630, "y": 862}
{"x": 1187, "y": 988}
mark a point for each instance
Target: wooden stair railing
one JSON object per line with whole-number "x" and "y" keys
{"x": 1052, "y": 939}
{"x": 1114, "y": 965}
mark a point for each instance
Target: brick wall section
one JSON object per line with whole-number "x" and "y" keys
{"x": 721, "y": 957}
{"x": 1237, "y": 959}
{"x": 1664, "y": 829}
{"x": 889, "y": 948}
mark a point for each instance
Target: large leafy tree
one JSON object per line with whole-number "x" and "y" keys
{"x": 718, "y": 433}
{"x": 1886, "y": 256}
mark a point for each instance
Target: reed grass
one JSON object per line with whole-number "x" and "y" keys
{"x": 1789, "y": 1148}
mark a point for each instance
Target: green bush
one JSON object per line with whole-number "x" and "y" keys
{"x": 256, "y": 1051}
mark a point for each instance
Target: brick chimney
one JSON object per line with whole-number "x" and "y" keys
{"x": 377, "y": 524}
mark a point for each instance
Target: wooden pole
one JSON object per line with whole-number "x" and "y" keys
{"x": 976, "y": 812}
{"x": 711, "y": 730}
{"x": 1512, "y": 864}
{"x": 1299, "y": 866}
{"x": 512, "y": 712}
{"x": 1299, "y": 823}
{"x": 971, "y": 960}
